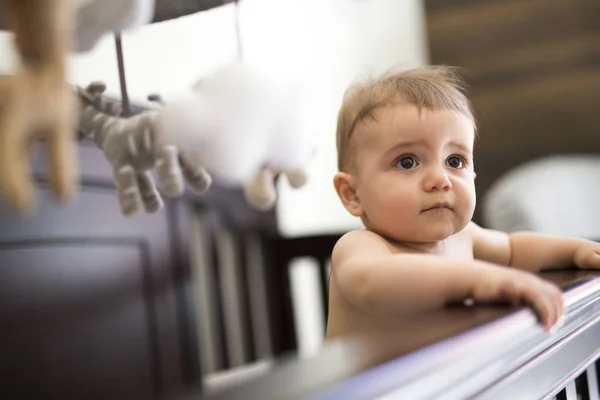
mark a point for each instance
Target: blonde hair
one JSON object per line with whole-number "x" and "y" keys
{"x": 432, "y": 87}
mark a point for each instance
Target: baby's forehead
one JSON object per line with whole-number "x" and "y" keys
{"x": 402, "y": 121}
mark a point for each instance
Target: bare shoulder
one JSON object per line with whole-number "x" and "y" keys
{"x": 489, "y": 244}
{"x": 472, "y": 230}
{"x": 356, "y": 244}
{"x": 475, "y": 233}
{"x": 478, "y": 233}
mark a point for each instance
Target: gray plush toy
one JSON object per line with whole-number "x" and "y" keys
{"x": 134, "y": 147}
{"x": 238, "y": 124}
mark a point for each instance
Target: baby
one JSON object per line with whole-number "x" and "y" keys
{"x": 406, "y": 168}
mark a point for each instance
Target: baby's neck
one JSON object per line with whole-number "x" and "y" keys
{"x": 437, "y": 247}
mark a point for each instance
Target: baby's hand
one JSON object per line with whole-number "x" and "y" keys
{"x": 587, "y": 255}
{"x": 503, "y": 284}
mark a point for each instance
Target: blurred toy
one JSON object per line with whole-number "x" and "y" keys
{"x": 36, "y": 101}
{"x": 261, "y": 193}
{"x": 245, "y": 128}
{"x": 259, "y": 190}
{"x": 237, "y": 125}
{"x": 134, "y": 147}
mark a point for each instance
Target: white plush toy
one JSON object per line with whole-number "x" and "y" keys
{"x": 244, "y": 128}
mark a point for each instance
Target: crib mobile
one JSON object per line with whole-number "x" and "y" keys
{"x": 239, "y": 125}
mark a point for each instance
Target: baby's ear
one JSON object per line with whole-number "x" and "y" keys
{"x": 345, "y": 186}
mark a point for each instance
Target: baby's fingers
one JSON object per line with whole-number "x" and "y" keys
{"x": 593, "y": 260}
{"x": 556, "y": 297}
{"x": 544, "y": 309}
{"x": 547, "y": 301}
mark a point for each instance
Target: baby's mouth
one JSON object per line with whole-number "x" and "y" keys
{"x": 438, "y": 206}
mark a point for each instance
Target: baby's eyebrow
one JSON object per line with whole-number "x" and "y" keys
{"x": 461, "y": 146}
{"x": 407, "y": 143}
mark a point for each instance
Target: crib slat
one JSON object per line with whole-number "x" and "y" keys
{"x": 581, "y": 384}
{"x": 571, "y": 391}
{"x": 562, "y": 395}
{"x": 592, "y": 381}
{"x": 229, "y": 265}
{"x": 208, "y": 300}
{"x": 258, "y": 302}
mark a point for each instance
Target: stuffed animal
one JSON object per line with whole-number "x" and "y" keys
{"x": 234, "y": 125}
{"x": 261, "y": 193}
{"x": 37, "y": 101}
{"x": 245, "y": 128}
{"x": 134, "y": 147}
{"x": 237, "y": 124}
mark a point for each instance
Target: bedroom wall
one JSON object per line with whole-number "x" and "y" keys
{"x": 326, "y": 43}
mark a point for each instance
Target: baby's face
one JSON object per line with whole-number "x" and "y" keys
{"x": 414, "y": 173}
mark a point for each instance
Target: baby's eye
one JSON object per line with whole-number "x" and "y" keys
{"x": 455, "y": 161}
{"x": 406, "y": 162}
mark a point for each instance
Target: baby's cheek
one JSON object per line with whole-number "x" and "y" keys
{"x": 402, "y": 203}
{"x": 467, "y": 203}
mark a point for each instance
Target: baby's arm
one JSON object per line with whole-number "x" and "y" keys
{"x": 534, "y": 251}
{"x": 381, "y": 283}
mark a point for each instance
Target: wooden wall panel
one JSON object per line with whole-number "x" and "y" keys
{"x": 461, "y": 28}
{"x": 533, "y": 69}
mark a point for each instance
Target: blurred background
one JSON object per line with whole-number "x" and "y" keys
{"x": 243, "y": 287}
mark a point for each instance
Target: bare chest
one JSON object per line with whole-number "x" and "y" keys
{"x": 458, "y": 250}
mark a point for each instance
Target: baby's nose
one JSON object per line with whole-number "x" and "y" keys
{"x": 437, "y": 179}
